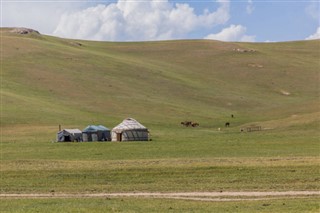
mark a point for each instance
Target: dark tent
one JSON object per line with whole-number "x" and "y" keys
{"x": 96, "y": 133}
{"x": 69, "y": 135}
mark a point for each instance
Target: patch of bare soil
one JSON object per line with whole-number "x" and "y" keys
{"x": 283, "y": 92}
{"x": 255, "y": 65}
{"x": 200, "y": 196}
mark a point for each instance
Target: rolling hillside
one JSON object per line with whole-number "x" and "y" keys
{"x": 48, "y": 81}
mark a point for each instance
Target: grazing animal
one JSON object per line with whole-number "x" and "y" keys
{"x": 194, "y": 124}
{"x": 227, "y": 124}
{"x": 186, "y": 123}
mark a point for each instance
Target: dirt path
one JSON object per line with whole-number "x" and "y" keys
{"x": 201, "y": 196}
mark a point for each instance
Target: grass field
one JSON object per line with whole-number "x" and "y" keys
{"x": 229, "y": 161}
{"x": 47, "y": 81}
{"x": 154, "y": 205}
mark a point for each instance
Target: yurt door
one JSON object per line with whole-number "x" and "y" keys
{"x": 94, "y": 137}
{"x": 119, "y": 136}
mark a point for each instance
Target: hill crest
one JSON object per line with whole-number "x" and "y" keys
{"x": 163, "y": 81}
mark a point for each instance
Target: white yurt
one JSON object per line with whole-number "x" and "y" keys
{"x": 129, "y": 130}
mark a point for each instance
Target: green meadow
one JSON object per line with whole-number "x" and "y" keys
{"x": 47, "y": 81}
{"x": 157, "y": 205}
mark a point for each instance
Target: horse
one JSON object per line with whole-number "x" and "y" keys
{"x": 194, "y": 124}
{"x": 227, "y": 124}
{"x": 186, "y": 123}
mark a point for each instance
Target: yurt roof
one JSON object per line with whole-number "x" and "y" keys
{"x": 128, "y": 124}
{"x": 94, "y": 128}
{"x": 72, "y": 131}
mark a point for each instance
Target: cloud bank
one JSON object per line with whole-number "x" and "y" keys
{"x": 39, "y": 15}
{"x": 139, "y": 20}
{"x": 316, "y": 35}
{"x": 312, "y": 10}
{"x": 232, "y": 33}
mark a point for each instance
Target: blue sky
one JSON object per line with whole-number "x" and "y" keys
{"x": 141, "y": 20}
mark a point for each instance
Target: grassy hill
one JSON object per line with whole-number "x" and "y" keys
{"x": 47, "y": 80}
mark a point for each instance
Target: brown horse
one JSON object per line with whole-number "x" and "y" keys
{"x": 194, "y": 124}
{"x": 186, "y": 123}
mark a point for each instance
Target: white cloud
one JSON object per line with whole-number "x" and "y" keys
{"x": 313, "y": 10}
{"x": 316, "y": 35}
{"x": 41, "y": 16}
{"x": 129, "y": 20}
{"x": 232, "y": 33}
{"x": 268, "y": 41}
{"x": 250, "y": 7}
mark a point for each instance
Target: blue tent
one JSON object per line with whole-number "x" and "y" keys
{"x": 96, "y": 133}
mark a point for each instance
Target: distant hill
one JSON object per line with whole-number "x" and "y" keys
{"x": 48, "y": 80}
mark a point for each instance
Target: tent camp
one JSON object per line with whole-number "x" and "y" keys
{"x": 130, "y": 130}
{"x": 96, "y": 133}
{"x": 69, "y": 135}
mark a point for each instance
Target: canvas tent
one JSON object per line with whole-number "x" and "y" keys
{"x": 130, "y": 130}
{"x": 69, "y": 135}
{"x": 96, "y": 133}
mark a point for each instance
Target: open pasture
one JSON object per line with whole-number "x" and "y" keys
{"x": 48, "y": 81}
{"x": 156, "y": 205}
{"x": 193, "y": 160}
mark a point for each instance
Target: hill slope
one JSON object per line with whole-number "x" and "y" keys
{"x": 48, "y": 80}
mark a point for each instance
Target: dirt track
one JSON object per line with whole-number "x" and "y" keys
{"x": 201, "y": 196}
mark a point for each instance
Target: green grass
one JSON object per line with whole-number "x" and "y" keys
{"x": 156, "y": 205}
{"x": 157, "y": 177}
{"x": 200, "y": 160}
{"x": 47, "y": 81}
